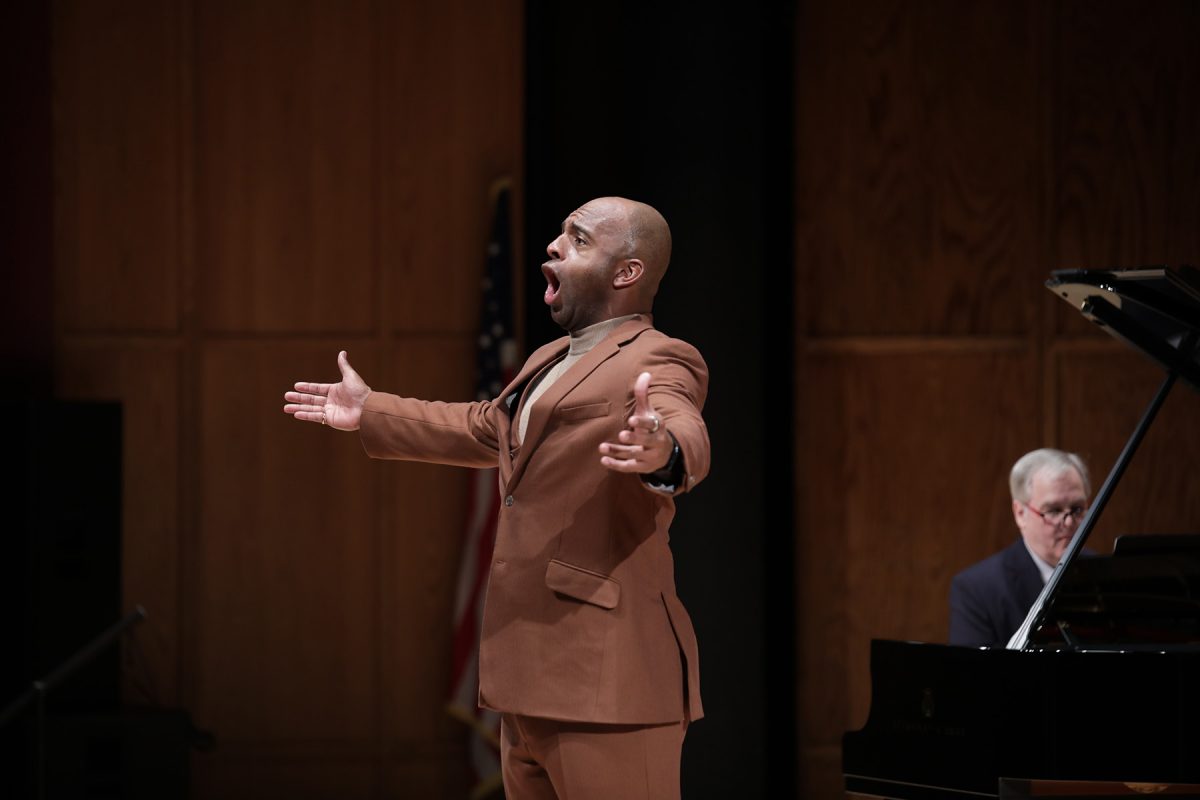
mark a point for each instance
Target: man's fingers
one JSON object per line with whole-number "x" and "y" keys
{"x": 309, "y": 400}
{"x": 343, "y": 362}
{"x": 641, "y": 395}
{"x": 306, "y": 398}
{"x": 304, "y": 408}
{"x": 644, "y": 423}
{"x": 639, "y": 433}
{"x": 644, "y": 416}
{"x": 621, "y": 465}
{"x": 622, "y": 450}
{"x": 308, "y": 413}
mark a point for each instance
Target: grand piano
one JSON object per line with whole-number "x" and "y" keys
{"x": 1098, "y": 692}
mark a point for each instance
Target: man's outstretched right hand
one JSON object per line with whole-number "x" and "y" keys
{"x": 338, "y": 405}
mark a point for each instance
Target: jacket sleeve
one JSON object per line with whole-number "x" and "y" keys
{"x": 678, "y": 388}
{"x": 457, "y": 434}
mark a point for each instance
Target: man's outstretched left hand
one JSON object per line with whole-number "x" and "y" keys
{"x": 644, "y": 445}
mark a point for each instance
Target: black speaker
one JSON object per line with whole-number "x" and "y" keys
{"x": 60, "y": 558}
{"x": 139, "y": 754}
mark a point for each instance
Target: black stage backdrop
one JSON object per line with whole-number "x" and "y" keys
{"x": 690, "y": 110}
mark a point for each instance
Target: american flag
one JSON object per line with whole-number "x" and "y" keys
{"x": 496, "y": 366}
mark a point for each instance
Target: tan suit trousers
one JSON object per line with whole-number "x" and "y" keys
{"x": 543, "y": 759}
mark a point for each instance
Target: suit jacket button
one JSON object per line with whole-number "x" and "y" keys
{"x": 508, "y": 501}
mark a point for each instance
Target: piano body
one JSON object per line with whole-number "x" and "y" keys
{"x": 1102, "y": 682}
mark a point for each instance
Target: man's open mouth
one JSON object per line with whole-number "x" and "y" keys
{"x": 552, "y": 285}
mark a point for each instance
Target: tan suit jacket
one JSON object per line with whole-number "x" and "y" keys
{"x": 581, "y": 620}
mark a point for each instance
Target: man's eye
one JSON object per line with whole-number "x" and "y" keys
{"x": 579, "y": 240}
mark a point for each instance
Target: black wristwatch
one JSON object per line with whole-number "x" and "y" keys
{"x": 669, "y": 474}
{"x": 673, "y": 461}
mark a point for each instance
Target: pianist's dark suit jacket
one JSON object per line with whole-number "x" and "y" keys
{"x": 989, "y": 600}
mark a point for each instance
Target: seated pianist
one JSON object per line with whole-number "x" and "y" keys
{"x": 989, "y": 600}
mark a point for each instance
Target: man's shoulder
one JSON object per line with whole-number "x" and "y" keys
{"x": 653, "y": 339}
{"x": 990, "y": 568}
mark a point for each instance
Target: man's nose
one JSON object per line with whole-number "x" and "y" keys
{"x": 552, "y": 249}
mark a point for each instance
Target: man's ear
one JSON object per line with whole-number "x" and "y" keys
{"x": 1018, "y": 511}
{"x": 630, "y": 272}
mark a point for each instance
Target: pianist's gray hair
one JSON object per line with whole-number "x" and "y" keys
{"x": 1057, "y": 461}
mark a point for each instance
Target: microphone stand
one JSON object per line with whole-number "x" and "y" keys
{"x": 36, "y": 693}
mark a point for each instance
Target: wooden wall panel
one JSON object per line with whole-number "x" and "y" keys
{"x": 420, "y": 544}
{"x": 916, "y": 168}
{"x": 902, "y": 490}
{"x": 428, "y": 778}
{"x": 245, "y": 189}
{"x": 438, "y": 149}
{"x": 285, "y": 162}
{"x": 145, "y": 380}
{"x": 1103, "y": 394}
{"x": 118, "y": 93}
{"x": 286, "y": 557}
{"x": 420, "y": 549}
{"x": 266, "y": 778}
{"x": 1125, "y": 124}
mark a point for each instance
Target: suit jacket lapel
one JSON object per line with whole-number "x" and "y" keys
{"x": 510, "y": 398}
{"x": 540, "y": 414}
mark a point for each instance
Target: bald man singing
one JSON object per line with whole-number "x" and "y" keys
{"x": 586, "y": 651}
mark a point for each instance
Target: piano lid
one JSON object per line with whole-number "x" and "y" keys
{"x": 1156, "y": 311}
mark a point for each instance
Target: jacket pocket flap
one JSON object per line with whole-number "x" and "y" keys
{"x": 587, "y": 411}
{"x": 581, "y": 584}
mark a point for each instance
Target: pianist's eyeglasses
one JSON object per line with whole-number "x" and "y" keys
{"x": 1058, "y": 517}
